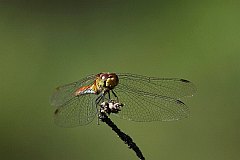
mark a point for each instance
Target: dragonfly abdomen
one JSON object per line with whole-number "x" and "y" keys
{"x": 84, "y": 90}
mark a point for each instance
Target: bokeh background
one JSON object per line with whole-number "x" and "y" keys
{"x": 46, "y": 44}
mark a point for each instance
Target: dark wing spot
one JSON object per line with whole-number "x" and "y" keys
{"x": 179, "y": 102}
{"x": 184, "y": 80}
{"x": 56, "y": 111}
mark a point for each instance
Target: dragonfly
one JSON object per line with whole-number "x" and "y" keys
{"x": 140, "y": 98}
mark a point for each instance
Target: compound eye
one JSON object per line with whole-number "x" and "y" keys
{"x": 103, "y": 76}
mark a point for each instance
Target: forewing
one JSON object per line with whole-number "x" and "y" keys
{"x": 145, "y": 107}
{"x": 170, "y": 87}
{"x": 80, "y": 110}
{"x": 65, "y": 93}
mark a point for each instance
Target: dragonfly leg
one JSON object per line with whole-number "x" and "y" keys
{"x": 109, "y": 97}
{"x": 99, "y": 98}
{"x": 115, "y": 95}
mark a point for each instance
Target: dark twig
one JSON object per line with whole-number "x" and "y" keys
{"x": 124, "y": 137}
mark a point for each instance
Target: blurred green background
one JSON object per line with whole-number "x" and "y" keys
{"x": 43, "y": 45}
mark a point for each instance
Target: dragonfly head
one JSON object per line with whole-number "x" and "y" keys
{"x": 107, "y": 80}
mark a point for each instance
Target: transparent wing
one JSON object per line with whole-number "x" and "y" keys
{"x": 77, "y": 111}
{"x": 170, "y": 87}
{"x": 145, "y": 107}
{"x": 66, "y": 92}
